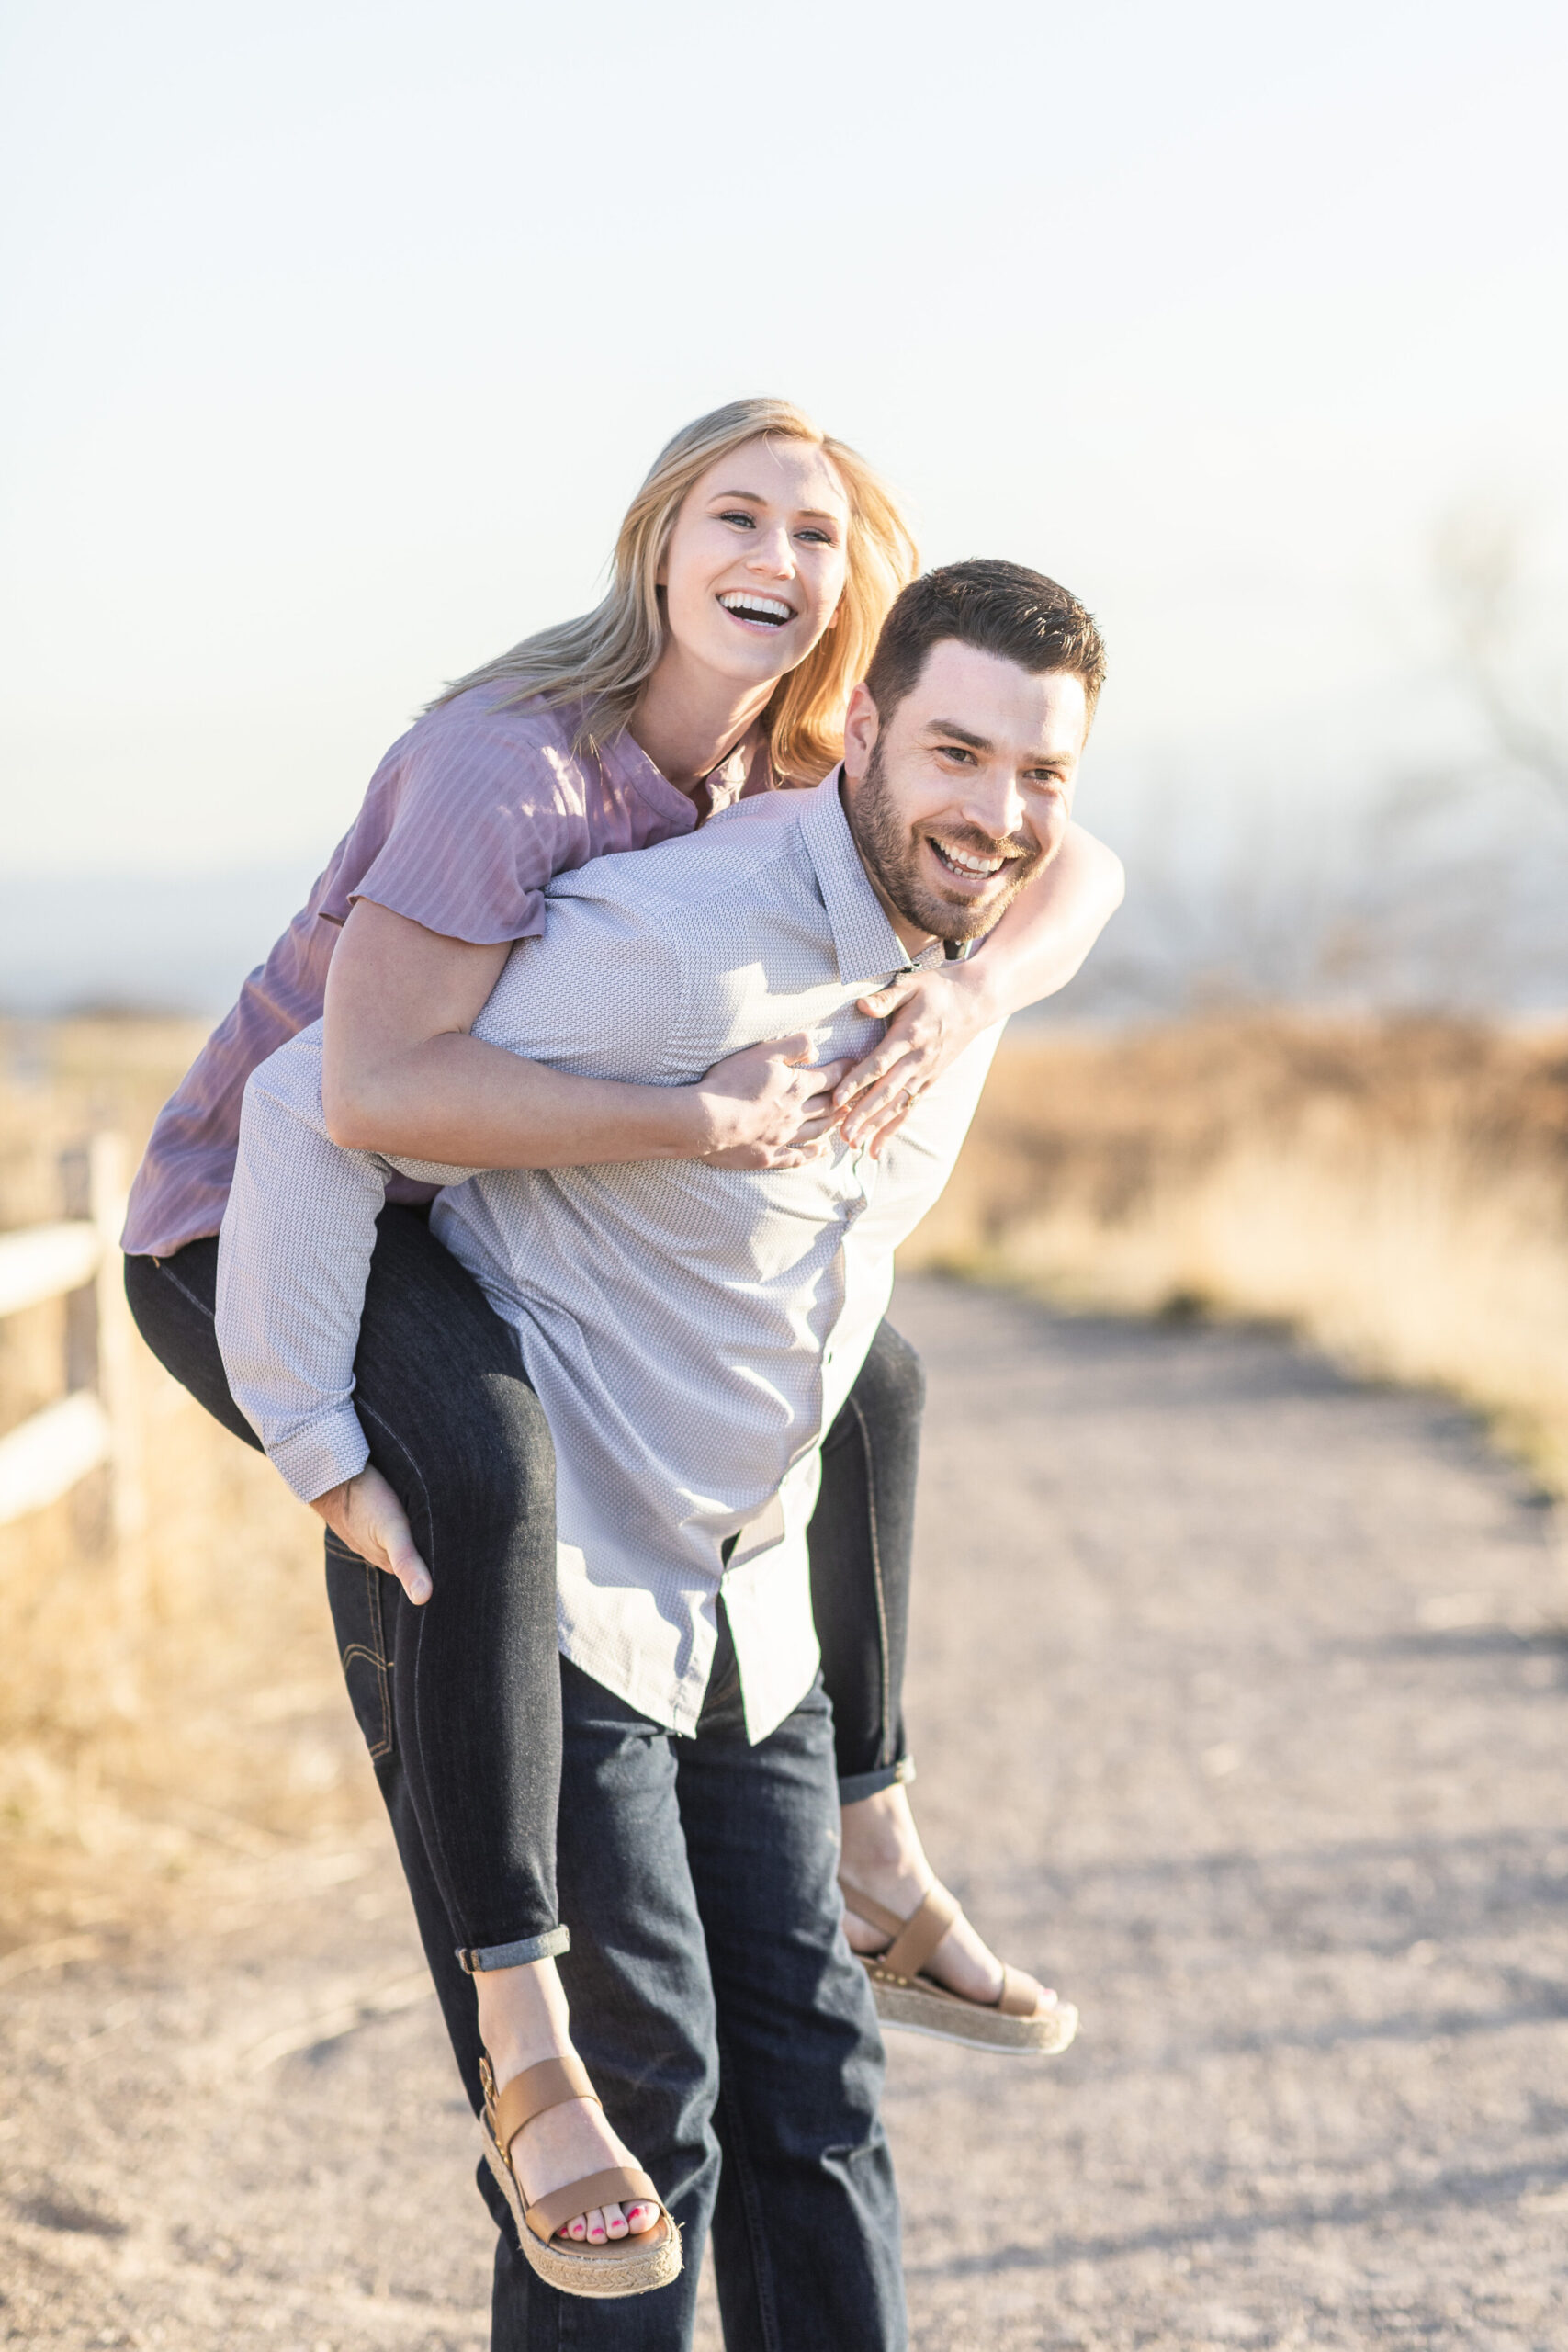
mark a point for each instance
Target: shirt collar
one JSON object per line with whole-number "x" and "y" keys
{"x": 623, "y": 762}
{"x": 864, "y": 941}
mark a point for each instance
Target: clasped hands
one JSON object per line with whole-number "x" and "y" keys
{"x": 770, "y": 1107}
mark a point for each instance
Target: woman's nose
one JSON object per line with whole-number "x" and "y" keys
{"x": 773, "y": 554}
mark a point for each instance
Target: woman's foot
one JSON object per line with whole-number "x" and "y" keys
{"x": 883, "y": 1856}
{"x": 523, "y": 2019}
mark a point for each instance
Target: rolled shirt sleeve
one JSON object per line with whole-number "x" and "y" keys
{"x": 293, "y": 1260}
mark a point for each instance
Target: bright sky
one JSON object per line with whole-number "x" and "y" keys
{"x": 337, "y": 332}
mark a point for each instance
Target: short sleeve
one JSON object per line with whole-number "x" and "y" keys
{"x": 471, "y": 824}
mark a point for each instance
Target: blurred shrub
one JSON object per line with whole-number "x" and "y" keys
{"x": 1397, "y": 1190}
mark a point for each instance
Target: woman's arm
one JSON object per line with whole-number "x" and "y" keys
{"x": 1038, "y": 947}
{"x": 401, "y": 1075}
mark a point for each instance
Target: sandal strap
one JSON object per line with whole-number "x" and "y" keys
{"x": 1017, "y": 1998}
{"x": 620, "y": 2184}
{"x": 914, "y": 1938}
{"x": 534, "y": 2091}
{"x": 866, "y": 1908}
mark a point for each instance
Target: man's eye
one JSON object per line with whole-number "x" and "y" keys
{"x": 957, "y": 752}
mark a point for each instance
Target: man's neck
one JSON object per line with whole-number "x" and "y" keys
{"x": 910, "y": 937}
{"x": 687, "y": 719}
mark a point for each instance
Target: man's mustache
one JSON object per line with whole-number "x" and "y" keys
{"x": 976, "y": 844}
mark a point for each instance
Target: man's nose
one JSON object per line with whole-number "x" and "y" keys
{"x": 995, "y": 804}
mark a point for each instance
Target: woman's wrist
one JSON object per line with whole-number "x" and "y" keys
{"x": 697, "y": 1122}
{"x": 978, "y": 993}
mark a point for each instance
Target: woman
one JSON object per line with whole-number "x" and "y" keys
{"x": 752, "y": 576}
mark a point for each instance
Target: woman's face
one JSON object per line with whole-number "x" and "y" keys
{"x": 755, "y": 565}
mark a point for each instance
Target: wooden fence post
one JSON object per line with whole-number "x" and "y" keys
{"x": 94, "y": 1423}
{"x": 116, "y": 1369}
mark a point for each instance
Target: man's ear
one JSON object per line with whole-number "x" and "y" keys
{"x": 860, "y": 727}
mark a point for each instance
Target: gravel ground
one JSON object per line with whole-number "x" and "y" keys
{"x": 1241, "y": 1696}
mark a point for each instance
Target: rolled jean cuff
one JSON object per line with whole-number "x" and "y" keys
{"x": 484, "y": 1957}
{"x": 871, "y": 1784}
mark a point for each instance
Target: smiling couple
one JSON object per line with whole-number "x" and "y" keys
{"x": 634, "y": 1022}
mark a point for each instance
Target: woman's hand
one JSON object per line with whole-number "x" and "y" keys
{"x": 931, "y": 1017}
{"x": 366, "y": 1514}
{"x": 768, "y": 1106}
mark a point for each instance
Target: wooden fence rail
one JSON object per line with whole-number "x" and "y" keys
{"x": 94, "y": 1425}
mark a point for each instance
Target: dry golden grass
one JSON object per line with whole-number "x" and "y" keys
{"x": 171, "y": 1719}
{"x": 171, "y": 1723}
{"x": 1398, "y": 1191}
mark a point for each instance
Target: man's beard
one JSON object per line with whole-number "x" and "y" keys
{"x": 892, "y": 852}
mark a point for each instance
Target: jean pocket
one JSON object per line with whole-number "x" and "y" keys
{"x": 354, "y": 1596}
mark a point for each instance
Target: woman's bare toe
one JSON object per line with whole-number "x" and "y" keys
{"x": 640, "y": 2218}
{"x": 1044, "y": 1996}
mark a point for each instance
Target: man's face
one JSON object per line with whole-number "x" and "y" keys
{"x": 966, "y": 791}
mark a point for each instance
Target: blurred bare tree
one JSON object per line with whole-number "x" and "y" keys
{"x": 1482, "y": 576}
{"x": 1444, "y": 888}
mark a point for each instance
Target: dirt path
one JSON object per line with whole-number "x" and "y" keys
{"x": 1241, "y": 1696}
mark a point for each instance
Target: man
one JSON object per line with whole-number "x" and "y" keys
{"x": 692, "y": 1332}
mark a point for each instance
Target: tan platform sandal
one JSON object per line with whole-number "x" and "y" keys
{"x": 629, "y": 2265}
{"x": 1017, "y": 2023}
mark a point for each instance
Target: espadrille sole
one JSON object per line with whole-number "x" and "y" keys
{"x": 916, "y": 2007}
{"x": 621, "y": 2267}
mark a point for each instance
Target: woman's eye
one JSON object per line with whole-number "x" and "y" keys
{"x": 740, "y": 516}
{"x": 823, "y": 539}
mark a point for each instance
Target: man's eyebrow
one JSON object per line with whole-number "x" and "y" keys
{"x": 755, "y": 498}
{"x": 951, "y": 729}
{"x": 959, "y": 734}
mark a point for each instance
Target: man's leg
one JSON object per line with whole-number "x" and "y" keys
{"x": 806, "y": 2232}
{"x": 642, "y": 2014}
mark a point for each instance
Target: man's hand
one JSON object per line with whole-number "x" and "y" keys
{"x": 770, "y": 1106}
{"x": 931, "y": 1017}
{"x": 366, "y": 1514}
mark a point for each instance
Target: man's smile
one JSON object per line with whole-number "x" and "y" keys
{"x": 965, "y": 865}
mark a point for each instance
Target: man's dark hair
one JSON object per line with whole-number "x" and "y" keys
{"x": 1000, "y": 608}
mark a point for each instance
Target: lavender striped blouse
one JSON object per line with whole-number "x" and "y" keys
{"x": 467, "y": 818}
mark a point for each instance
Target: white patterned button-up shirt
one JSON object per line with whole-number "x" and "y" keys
{"x": 692, "y": 1331}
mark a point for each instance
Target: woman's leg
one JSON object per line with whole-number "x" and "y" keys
{"x": 474, "y": 1688}
{"x": 861, "y": 1542}
{"x": 466, "y": 1689}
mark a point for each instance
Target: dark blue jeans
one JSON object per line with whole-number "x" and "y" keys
{"x": 726, "y": 2028}
{"x": 468, "y": 1683}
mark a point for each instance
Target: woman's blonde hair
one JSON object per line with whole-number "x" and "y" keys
{"x": 604, "y": 659}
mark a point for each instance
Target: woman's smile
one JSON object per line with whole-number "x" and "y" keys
{"x": 761, "y": 614}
